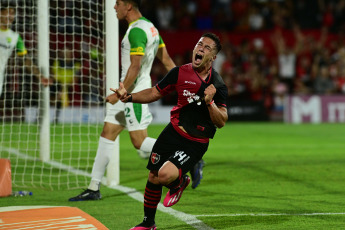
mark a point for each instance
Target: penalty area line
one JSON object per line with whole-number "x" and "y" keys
{"x": 274, "y": 214}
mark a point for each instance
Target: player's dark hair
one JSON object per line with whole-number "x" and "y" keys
{"x": 215, "y": 38}
{"x": 136, "y": 3}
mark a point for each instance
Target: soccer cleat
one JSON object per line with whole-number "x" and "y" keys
{"x": 153, "y": 227}
{"x": 196, "y": 173}
{"x": 171, "y": 199}
{"x": 87, "y": 195}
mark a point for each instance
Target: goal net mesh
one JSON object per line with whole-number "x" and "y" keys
{"x": 76, "y": 60}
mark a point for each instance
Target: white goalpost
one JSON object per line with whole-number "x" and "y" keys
{"x": 43, "y": 64}
{"x": 112, "y": 72}
{"x": 50, "y": 134}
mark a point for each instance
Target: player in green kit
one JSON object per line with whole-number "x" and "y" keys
{"x": 139, "y": 47}
{"x": 11, "y": 40}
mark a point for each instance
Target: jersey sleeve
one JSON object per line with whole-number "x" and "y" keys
{"x": 137, "y": 39}
{"x": 21, "y": 49}
{"x": 221, "y": 96}
{"x": 168, "y": 83}
{"x": 161, "y": 42}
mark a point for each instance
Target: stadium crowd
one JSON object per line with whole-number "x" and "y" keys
{"x": 271, "y": 48}
{"x": 287, "y": 47}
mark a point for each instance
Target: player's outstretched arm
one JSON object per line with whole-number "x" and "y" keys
{"x": 146, "y": 96}
{"x": 165, "y": 58}
{"x": 143, "y": 97}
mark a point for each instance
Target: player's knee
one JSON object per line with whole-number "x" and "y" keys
{"x": 165, "y": 177}
{"x": 153, "y": 177}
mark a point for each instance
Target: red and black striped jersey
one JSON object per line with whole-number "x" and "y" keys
{"x": 191, "y": 111}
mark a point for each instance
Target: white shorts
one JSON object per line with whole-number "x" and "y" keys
{"x": 132, "y": 116}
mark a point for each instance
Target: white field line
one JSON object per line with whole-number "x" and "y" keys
{"x": 274, "y": 214}
{"x": 17, "y": 208}
{"x": 52, "y": 163}
{"x": 187, "y": 218}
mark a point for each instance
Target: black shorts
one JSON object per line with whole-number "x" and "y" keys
{"x": 171, "y": 146}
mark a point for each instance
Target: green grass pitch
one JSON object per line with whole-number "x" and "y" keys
{"x": 257, "y": 176}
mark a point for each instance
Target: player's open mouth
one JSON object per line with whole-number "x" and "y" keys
{"x": 198, "y": 58}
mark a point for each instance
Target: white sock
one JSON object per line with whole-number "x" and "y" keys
{"x": 105, "y": 150}
{"x": 94, "y": 185}
{"x": 148, "y": 144}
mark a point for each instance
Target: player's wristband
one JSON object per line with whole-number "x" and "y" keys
{"x": 130, "y": 97}
{"x": 209, "y": 104}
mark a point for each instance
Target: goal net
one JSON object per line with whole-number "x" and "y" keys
{"x": 50, "y": 134}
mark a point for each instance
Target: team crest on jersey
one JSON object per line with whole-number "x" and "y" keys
{"x": 155, "y": 158}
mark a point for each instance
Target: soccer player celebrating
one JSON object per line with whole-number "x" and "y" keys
{"x": 10, "y": 40}
{"x": 140, "y": 45}
{"x": 200, "y": 110}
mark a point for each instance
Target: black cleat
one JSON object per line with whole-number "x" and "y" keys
{"x": 196, "y": 173}
{"x": 87, "y": 195}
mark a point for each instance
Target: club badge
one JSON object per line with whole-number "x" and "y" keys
{"x": 155, "y": 158}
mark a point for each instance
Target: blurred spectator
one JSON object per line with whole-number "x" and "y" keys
{"x": 280, "y": 92}
{"x": 204, "y": 20}
{"x": 67, "y": 21}
{"x": 185, "y": 17}
{"x": 282, "y": 15}
{"x": 287, "y": 57}
{"x": 260, "y": 52}
{"x": 165, "y": 14}
{"x": 323, "y": 83}
{"x": 255, "y": 19}
{"x": 223, "y": 55}
{"x": 306, "y": 13}
{"x": 221, "y": 5}
{"x": 65, "y": 70}
{"x": 339, "y": 70}
{"x": 303, "y": 81}
{"x": 258, "y": 86}
{"x": 91, "y": 79}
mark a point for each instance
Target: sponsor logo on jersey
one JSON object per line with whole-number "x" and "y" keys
{"x": 155, "y": 158}
{"x": 190, "y": 82}
{"x": 154, "y": 31}
{"x": 191, "y": 96}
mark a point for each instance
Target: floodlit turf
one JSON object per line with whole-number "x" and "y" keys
{"x": 257, "y": 176}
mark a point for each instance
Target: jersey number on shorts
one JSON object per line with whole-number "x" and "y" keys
{"x": 127, "y": 111}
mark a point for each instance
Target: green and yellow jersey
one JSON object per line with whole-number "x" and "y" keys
{"x": 141, "y": 38}
{"x": 9, "y": 40}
